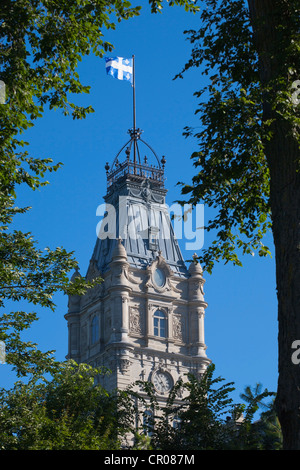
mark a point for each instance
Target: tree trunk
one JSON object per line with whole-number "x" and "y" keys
{"x": 283, "y": 156}
{"x": 285, "y": 204}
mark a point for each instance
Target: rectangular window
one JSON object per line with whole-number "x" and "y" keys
{"x": 95, "y": 330}
{"x": 159, "y": 324}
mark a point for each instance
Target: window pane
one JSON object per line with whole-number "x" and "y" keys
{"x": 160, "y": 314}
{"x": 163, "y": 328}
{"x": 159, "y": 277}
{"x": 95, "y": 330}
{"x": 159, "y": 324}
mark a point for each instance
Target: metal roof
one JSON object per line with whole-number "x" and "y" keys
{"x": 141, "y": 215}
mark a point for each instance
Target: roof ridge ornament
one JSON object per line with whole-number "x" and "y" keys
{"x": 135, "y": 133}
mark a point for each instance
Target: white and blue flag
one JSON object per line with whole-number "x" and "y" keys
{"x": 120, "y": 68}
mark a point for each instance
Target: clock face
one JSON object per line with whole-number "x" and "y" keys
{"x": 162, "y": 381}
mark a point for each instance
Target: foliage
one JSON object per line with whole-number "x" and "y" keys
{"x": 31, "y": 276}
{"x": 200, "y": 414}
{"x": 269, "y": 429}
{"x": 266, "y": 432}
{"x": 232, "y": 171}
{"x": 41, "y": 44}
{"x": 247, "y": 166}
{"x": 70, "y": 412}
{"x": 259, "y": 434}
{"x": 189, "y": 5}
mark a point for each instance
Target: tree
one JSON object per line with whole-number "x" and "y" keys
{"x": 200, "y": 414}
{"x": 69, "y": 412}
{"x": 248, "y": 157}
{"x": 33, "y": 276}
{"x": 254, "y": 395}
{"x": 193, "y": 415}
{"x": 260, "y": 434}
{"x": 269, "y": 429}
{"x": 41, "y": 44}
{"x": 72, "y": 411}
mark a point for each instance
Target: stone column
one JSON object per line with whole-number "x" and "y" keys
{"x": 197, "y": 307}
{"x": 125, "y": 317}
{"x": 119, "y": 293}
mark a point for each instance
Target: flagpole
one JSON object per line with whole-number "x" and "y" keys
{"x": 134, "y": 113}
{"x": 133, "y": 86}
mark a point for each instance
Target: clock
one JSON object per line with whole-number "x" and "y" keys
{"x": 162, "y": 381}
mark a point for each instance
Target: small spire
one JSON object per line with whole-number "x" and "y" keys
{"x": 195, "y": 266}
{"x": 119, "y": 251}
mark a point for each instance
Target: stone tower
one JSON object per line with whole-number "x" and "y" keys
{"x": 146, "y": 320}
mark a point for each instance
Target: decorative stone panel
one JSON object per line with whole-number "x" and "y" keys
{"x": 135, "y": 321}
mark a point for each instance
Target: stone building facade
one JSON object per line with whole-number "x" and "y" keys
{"x": 145, "y": 321}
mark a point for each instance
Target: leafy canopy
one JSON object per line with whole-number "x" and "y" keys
{"x": 232, "y": 171}
{"x": 72, "y": 411}
{"x": 41, "y": 45}
{"x": 69, "y": 412}
{"x": 200, "y": 414}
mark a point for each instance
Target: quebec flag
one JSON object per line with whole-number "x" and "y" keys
{"x": 120, "y": 68}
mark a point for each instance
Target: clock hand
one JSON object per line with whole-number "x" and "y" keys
{"x": 160, "y": 380}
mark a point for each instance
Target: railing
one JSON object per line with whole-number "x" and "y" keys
{"x": 136, "y": 171}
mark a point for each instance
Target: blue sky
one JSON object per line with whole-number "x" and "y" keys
{"x": 241, "y": 318}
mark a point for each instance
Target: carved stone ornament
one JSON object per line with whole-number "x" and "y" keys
{"x": 123, "y": 363}
{"x": 130, "y": 277}
{"x": 145, "y": 192}
{"x": 177, "y": 328}
{"x": 135, "y": 321}
{"x": 160, "y": 264}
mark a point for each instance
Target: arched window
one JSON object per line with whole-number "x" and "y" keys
{"x": 94, "y": 330}
{"x": 160, "y": 324}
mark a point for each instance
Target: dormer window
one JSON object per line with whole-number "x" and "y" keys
{"x": 159, "y": 277}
